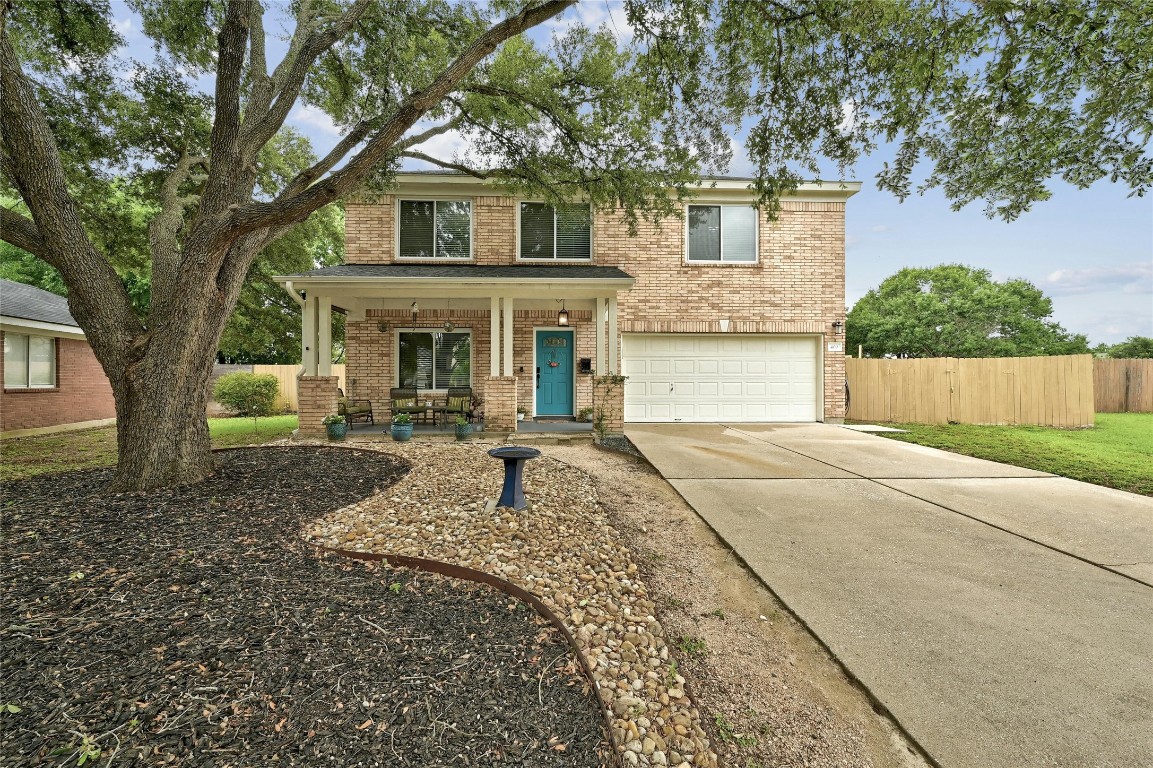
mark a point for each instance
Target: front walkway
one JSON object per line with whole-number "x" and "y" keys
{"x": 1002, "y": 615}
{"x": 527, "y": 427}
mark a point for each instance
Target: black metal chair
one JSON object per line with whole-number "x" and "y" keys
{"x": 405, "y": 400}
{"x": 458, "y": 402}
{"x": 353, "y": 410}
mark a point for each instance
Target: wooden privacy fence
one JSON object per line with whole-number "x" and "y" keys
{"x": 286, "y": 375}
{"x": 1123, "y": 386}
{"x": 1047, "y": 391}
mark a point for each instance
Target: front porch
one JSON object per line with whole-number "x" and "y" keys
{"x": 543, "y": 335}
{"x": 527, "y": 430}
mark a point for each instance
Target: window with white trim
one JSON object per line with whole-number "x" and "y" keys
{"x": 435, "y": 229}
{"x": 722, "y": 233}
{"x": 29, "y": 361}
{"x": 434, "y": 359}
{"x": 564, "y": 232}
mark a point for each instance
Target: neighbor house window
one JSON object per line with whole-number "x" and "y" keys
{"x": 722, "y": 233}
{"x": 564, "y": 232}
{"x": 29, "y": 361}
{"x": 435, "y": 229}
{"x": 434, "y": 360}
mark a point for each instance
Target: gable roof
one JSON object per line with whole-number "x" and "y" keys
{"x": 27, "y": 302}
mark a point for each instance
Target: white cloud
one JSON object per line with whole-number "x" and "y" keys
{"x": 593, "y": 14}
{"x": 314, "y": 118}
{"x": 448, "y": 146}
{"x": 123, "y": 26}
{"x": 848, "y": 116}
{"x": 1134, "y": 278}
{"x": 879, "y": 228}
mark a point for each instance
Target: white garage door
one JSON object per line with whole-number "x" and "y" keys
{"x": 729, "y": 377}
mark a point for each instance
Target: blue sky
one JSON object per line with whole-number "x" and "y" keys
{"x": 1090, "y": 250}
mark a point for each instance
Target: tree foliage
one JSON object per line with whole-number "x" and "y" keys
{"x": 178, "y": 170}
{"x": 1133, "y": 347}
{"x": 957, "y": 311}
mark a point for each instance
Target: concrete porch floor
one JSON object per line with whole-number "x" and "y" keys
{"x": 528, "y": 430}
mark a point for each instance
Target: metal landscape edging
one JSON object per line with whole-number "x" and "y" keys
{"x": 513, "y": 590}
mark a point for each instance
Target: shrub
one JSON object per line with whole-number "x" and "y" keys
{"x": 247, "y": 394}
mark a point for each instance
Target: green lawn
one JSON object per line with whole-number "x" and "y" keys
{"x": 29, "y": 456}
{"x": 1118, "y": 452}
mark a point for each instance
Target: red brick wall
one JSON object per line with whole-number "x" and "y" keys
{"x": 82, "y": 393}
{"x": 796, "y": 287}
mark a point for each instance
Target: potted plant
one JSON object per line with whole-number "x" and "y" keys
{"x": 335, "y": 425}
{"x": 463, "y": 428}
{"x": 585, "y": 414}
{"x": 401, "y": 427}
{"x": 521, "y": 412}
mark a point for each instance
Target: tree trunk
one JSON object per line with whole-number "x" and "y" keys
{"x": 162, "y": 393}
{"x": 161, "y": 428}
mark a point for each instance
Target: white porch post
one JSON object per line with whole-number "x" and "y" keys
{"x": 599, "y": 322}
{"x": 508, "y": 336}
{"x": 613, "y": 335}
{"x": 324, "y": 335}
{"x": 494, "y": 337}
{"x": 308, "y": 335}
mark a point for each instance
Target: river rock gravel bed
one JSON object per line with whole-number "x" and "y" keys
{"x": 562, "y": 549}
{"x": 194, "y": 626}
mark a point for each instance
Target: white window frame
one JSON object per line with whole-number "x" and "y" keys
{"x": 721, "y": 261}
{"x": 433, "y": 330}
{"x": 28, "y": 366}
{"x": 592, "y": 239}
{"x": 434, "y": 258}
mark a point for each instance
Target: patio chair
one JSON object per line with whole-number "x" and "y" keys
{"x": 458, "y": 402}
{"x": 405, "y": 400}
{"x": 353, "y": 410}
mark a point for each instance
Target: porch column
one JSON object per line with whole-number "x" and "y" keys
{"x": 324, "y": 335}
{"x": 508, "y": 336}
{"x": 494, "y": 336}
{"x": 614, "y": 337}
{"x": 308, "y": 335}
{"x": 599, "y": 322}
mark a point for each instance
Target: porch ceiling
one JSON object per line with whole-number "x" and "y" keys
{"x": 461, "y": 280}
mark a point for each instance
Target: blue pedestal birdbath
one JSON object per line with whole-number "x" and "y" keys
{"x": 514, "y": 456}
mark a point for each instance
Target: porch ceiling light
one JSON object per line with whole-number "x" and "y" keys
{"x": 415, "y": 310}
{"x": 562, "y": 316}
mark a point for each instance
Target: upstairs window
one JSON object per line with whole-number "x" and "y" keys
{"x": 435, "y": 229}
{"x": 29, "y": 361}
{"x": 722, "y": 233}
{"x": 564, "y": 232}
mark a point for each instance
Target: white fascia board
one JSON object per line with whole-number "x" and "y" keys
{"x": 423, "y": 287}
{"x": 36, "y": 327}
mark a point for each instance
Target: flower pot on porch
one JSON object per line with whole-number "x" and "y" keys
{"x": 336, "y": 430}
{"x": 401, "y": 432}
{"x": 463, "y": 431}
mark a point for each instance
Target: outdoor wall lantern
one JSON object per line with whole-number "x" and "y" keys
{"x": 382, "y": 327}
{"x": 449, "y": 327}
{"x": 415, "y": 309}
{"x": 562, "y": 316}
{"x": 837, "y": 326}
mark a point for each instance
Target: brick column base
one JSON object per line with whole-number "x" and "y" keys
{"x": 500, "y": 404}
{"x": 609, "y": 405}
{"x": 316, "y": 398}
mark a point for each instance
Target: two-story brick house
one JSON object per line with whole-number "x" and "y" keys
{"x": 721, "y": 316}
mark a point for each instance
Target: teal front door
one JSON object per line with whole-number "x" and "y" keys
{"x": 554, "y": 375}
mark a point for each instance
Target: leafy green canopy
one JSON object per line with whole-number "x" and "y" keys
{"x": 989, "y": 99}
{"x": 957, "y": 311}
{"x": 1132, "y": 347}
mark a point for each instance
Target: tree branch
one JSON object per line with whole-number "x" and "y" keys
{"x": 96, "y": 296}
{"x": 306, "y": 177}
{"x": 451, "y": 166}
{"x": 290, "y": 75}
{"x": 296, "y": 207}
{"x": 164, "y": 228}
{"x": 436, "y": 130}
{"x": 22, "y": 232}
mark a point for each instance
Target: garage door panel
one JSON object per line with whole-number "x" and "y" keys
{"x": 737, "y": 377}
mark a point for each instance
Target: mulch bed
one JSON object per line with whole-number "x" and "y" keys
{"x": 193, "y": 627}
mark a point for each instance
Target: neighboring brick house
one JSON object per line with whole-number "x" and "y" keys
{"x": 51, "y": 378}
{"x": 721, "y": 316}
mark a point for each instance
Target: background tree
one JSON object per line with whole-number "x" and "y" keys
{"x": 1132, "y": 347}
{"x": 957, "y": 311}
{"x": 997, "y": 97}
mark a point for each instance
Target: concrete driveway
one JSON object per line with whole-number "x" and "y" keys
{"x": 1003, "y": 616}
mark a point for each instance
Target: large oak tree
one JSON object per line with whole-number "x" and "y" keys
{"x": 991, "y": 99}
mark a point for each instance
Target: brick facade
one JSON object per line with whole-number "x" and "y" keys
{"x": 500, "y": 404}
{"x": 316, "y": 396}
{"x": 797, "y": 286}
{"x": 82, "y": 393}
